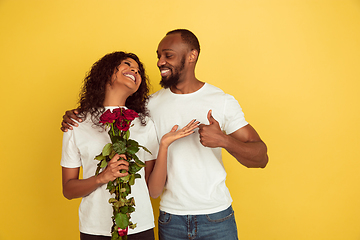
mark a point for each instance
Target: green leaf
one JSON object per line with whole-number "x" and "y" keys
{"x": 107, "y": 149}
{"x": 127, "y": 135}
{"x": 99, "y": 157}
{"x": 137, "y": 175}
{"x": 132, "y": 179}
{"x": 147, "y": 150}
{"x": 119, "y": 147}
{"x": 119, "y": 204}
{"x": 97, "y": 168}
{"x": 115, "y": 138}
{"x": 131, "y": 209}
{"x": 132, "y": 225}
{"x": 112, "y": 154}
{"x": 133, "y": 167}
{"x": 124, "y": 209}
{"x": 103, "y": 164}
{"x": 139, "y": 162}
{"x": 111, "y": 187}
{"x": 126, "y": 178}
{"x": 128, "y": 189}
{"x": 133, "y": 149}
{"x": 131, "y": 142}
{"x": 121, "y": 220}
{"x": 131, "y": 202}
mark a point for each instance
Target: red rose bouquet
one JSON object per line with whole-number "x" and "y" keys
{"x": 119, "y": 121}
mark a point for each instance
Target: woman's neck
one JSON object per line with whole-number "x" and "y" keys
{"x": 115, "y": 98}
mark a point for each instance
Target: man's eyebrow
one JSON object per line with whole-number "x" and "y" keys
{"x": 164, "y": 50}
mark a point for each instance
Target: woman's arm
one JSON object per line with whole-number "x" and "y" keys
{"x": 157, "y": 173}
{"x": 73, "y": 187}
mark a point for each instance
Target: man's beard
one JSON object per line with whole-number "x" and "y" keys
{"x": 173, "y": 79}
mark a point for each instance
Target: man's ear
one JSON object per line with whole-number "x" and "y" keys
{"x": 193, "y": 56}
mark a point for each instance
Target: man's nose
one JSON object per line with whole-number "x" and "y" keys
{"x": 160, "y": 62}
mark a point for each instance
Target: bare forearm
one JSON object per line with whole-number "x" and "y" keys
{"x": 251, "y": 154}
{"x": 76, "y": 188}
{"x": 157, "y": 179}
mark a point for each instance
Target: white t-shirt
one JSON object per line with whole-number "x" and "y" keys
{"x": 196, "y": 174}
{"x": 80, "y": 146}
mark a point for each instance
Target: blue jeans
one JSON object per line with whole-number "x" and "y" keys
{"x": 216, "y": 226}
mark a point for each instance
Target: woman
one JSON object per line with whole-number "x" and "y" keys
{"x": 117, "y": 79}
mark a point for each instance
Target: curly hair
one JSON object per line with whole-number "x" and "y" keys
{"x": 92, "y": 94}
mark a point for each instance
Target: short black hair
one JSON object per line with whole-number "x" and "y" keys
{"x": 188, "y": 37}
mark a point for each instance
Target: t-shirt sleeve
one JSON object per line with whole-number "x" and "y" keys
{"x": 70, "y": 156}
{"x": 234, "y": 116}
{"x": 152, "y": 143}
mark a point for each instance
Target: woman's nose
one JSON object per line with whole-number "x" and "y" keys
{"x": 134, "y": 70}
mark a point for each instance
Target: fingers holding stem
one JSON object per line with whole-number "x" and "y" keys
{"x": 117, "y": 167}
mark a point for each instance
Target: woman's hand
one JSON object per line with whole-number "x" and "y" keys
{"x": 114, "y": 169}
{"x": 158, "y": 173}
{"x": 175, "y": 134}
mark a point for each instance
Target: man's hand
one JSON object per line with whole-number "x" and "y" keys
{"x": 68, "y": 122}
{"x": 211, "y": 135}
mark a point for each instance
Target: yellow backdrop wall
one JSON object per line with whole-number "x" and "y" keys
{"x": 293, "y": 66}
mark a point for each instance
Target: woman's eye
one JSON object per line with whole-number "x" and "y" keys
{"x": 127, "y": 63}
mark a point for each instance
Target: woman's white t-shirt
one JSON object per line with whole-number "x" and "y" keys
{"x": 80, "y": 146}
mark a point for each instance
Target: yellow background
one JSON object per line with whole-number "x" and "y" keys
{"x": 292, "y": 64}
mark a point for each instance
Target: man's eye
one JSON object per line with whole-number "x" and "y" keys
{"x": 169, "y": 56}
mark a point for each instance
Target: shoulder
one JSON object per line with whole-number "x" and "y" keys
{"x": 149, "y": 124}
{"x": 211, "y": 89}
{"x": 157, "y": 97}
{"x": 158, "y": 93}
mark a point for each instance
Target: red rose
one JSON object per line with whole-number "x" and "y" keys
{"x": 122, "y": 232}
{"x": 130, "y": 114}
{"x": 108, "y": 117}
{"x": 122, "y": 124}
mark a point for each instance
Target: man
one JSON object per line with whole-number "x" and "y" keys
{"x": 196, "y": 204}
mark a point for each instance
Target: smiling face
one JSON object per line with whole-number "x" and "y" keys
{"x": 127, "y": 74}
{"x": 172, "y": 53}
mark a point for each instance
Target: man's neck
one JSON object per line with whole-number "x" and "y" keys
{"x": 188, "y": 86}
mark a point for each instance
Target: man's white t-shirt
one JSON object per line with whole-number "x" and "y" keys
{"x": 196, "y": 174}
{"x": 80, "y": 146}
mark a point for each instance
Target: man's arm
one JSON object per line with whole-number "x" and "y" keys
{"x": 67, "y": 122}
{"x": 244, "y": 144}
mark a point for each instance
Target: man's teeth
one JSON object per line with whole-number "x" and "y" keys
{"x": 165, "y": 71}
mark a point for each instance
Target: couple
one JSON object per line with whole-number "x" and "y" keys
{"x": 195, "y": 202}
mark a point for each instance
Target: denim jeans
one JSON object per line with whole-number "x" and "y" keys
{"x": 216, "y": 226}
